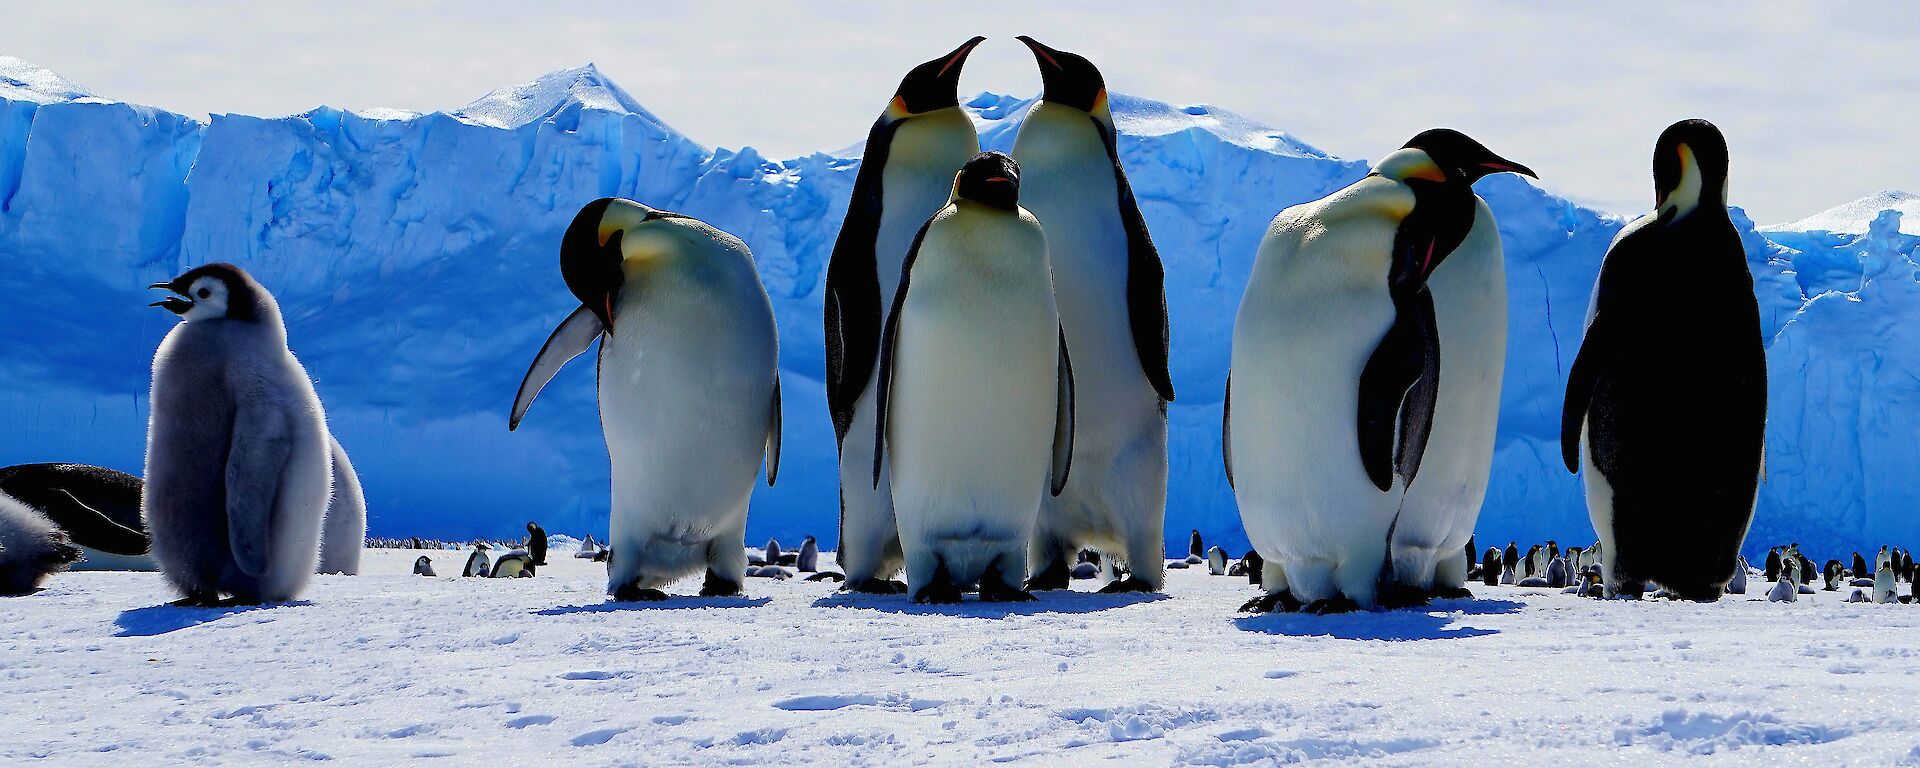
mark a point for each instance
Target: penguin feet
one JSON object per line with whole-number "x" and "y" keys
{"x": 991, "y": 592}
{"x": 1450, "y": 593}
{"x": 632, "y": 594}
{"x": 878, "y": 587}
{"x": 827, "y": 576}
{"x": 1055, "y": 576}
{"x": 197, "y": 600}
{"x": 1331, "y": 605}
{"x": 719, "y": 586}
{"x": 1128, "y": 585}
{"x": 1281, "y": 601}
{"x": 1395, "y": 596}
{"x": 940, "y": 593}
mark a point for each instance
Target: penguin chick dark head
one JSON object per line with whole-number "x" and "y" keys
{"x": 991, "y": 179}
{"x": 1689, "y": 166}
{"x": 216, "y": 291}
{"x": 1460, "y": 158}
{"x": 1068, "y": 78}
{"x": 932, "y": 85}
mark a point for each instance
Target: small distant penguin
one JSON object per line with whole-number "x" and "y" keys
{"x": 1859, "y": 565}
{"x": 1509, "y": 563}
{"x": 808, "y": 561}
{"x": 1784, "y": 590}
{"x": 1256, "y": 567}
{"x": 1110, "y": 288}
{"x": 1337, "y": 443}
{"x": 513, "y": 565}
{"x": 1859, "y": 597}
{"x": 416, "y": 543}
{"x": 97, "y": 508}
{"x": 1906, "y": 564}
{"x": 1807, "y": 568}
{"x": 478, "y": 564}
{"x": 1775, "y": 564}
{"x": 1553, "y": 550}
{"x": 905, "y": 176}
{"x": 537, "y": 543}
{"x": 682, "y": 319}
{"x": 1196, "y": 550}
{"x": 1672, "y": 410}
{"x": 589, "y": 549}
{"x": 1178, "y": 565}
{"x": 343, "y": 532}
{"x": 423, "y": 566}
{"x": 1576, "y": 559}
{"x": 1217, "y": 561}
{"x": 773, "y": 552}
{"x": 32, "y": 548}
{"x": 976, "y": 391}
{"x": 1557, "y": 573}
{"x": 1536, "y": 560}
{"x": 1831, "y": 574}
{"x": 239, "y": 469}
{"x": 1471, "y": 553}
{"x": 1883, "y": 583}
{"x": 775, "y": 572}
{"x": 1490, "y": 568}
{"x": 1738, "y": 584}
{"x": 1533, "y": 582}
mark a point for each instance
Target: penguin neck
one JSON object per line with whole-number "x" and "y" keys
{"x": 1692, "y": 191}
{"x": 1409, "y": 163}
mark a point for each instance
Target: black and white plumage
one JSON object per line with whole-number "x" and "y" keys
{"x": 98, "y": 508}
{"x": 689, "y": 388}
{"x": 1666, "y": 411}
{"x": 1491, "y": 568}
{"x": 423, "y": 566}
{"x": 478, "y": 564}
{"x": 239, "y": 467}
{"x": 343, "y": 534}
{"x": 1110, "y": 289}
{"x": 1217, "y": 561}
{"x": 517, "y": 564}
{"x": 906, "y": 173}
{"x": 32, "y": 548}
{"x": 1738, "y": 584}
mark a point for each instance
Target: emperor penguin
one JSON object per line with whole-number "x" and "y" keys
{"x": 1831, "y": 575}
{"x": 1671, "y": 398}
{"x": 1786, "y": 590}
{"x": 537, "y": 543}
{"x": 478, "y": 564}
{"x": 1337, "y": 370}
{"x": 1883, "y": 578}
{"x": 1774, "y": 564}
{"x": 689, "y": 388}
{"x": 239, "y": 468}
{"x": 32, "y": 548}
{"x": 1738, "y": 584}
{"x": 1110, "y": 287}
{"x": 976, "y": 391}
{"x": 1217, "y": 561}
{"x": 1536, "y": 561}
{"x": 1859, "y": 563}
{"x": 905, "y": 176}
{"x": 513, "y": 565}
{"x": 423, "y": 566}
{"x": 98, "y": 509}
{"x": 808, "y": 561}
{"x": 1490, "y": 568}
{"x": 345, "y": 531}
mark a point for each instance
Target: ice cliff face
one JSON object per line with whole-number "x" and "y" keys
{"x": 415, "y": 257}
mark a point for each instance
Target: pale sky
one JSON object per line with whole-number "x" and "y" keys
{"x": 1820, "y": 101}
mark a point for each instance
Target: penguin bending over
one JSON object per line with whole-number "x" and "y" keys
{"x": 1337, "y": 361}
{"x": 1859, "y": 565}
{"x": 537, "y": 543}
{"x": 1110, "y": 288}
{"x": 689, "y": 388}
{"x": 239, "y": 469}
{"x": 344, "y": 531}
{"x": 517, "y": 564}
{"x": 905, "y": 176}
{"x": 32, "y": 548}
{"x": 976, "y": 391}
{"x": 1490, "y": 568}
{"x": 1671, "y": 407}
{"x": 97, "y": 508}
{"x": 1774, "y": 564}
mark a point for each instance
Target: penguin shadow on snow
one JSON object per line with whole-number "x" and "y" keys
{"x": 155, "y": 620}
{"x": 674, "y": 603}
{"x": 1429, "y": 623}
{"x": 1053, "y": 601}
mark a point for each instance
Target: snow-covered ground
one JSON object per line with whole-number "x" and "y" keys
{"x": 385, "y": 668}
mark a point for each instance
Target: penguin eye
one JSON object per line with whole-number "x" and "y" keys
{"x": 204, "y": 293}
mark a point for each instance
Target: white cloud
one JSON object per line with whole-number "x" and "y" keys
{"x": 1818, "y": 100}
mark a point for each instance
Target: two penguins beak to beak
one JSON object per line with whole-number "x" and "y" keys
{"x": 178, "y": 305}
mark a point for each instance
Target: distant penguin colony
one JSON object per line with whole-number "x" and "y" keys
{"x": 998, "y": 374}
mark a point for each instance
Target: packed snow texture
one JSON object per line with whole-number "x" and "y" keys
{"x": 415, "y": 256}
{"x": 388, "y": 668}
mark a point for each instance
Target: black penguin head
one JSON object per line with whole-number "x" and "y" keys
{"x": 1068, "y": 78}
{"x": 217, "y": 291}
{"x": 592, "y": 252}
{"x": 932, "y": 85}
{"x": 1690, "y": 166}
{"x": 991, "y": 179}
{"x": 1460, "y": 158}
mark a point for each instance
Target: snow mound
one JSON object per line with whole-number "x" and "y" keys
{"x": 1856, "y": 217}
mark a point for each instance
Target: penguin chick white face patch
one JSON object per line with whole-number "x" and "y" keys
{"x": 209, "y": 296}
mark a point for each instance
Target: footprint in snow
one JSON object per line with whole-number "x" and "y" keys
{"x": 597, "y": 738}
{"x": 530, "y": 720}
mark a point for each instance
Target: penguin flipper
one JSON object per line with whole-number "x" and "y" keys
{"x": 1146, "y": 279}
{"x": 1063, "y": 419}
{"x": 1398, "y": 389}
{"x": 1226, "y": 430}
{"x": 888, "y": 339}
{"x": 92, "y": 528}
{"x": 261, "y": 444}
{"x": 773, "y": 435}
{"x": 571, "y": 338}
{"x": 1581, "y": 381}
{"x": 852, "y": 305}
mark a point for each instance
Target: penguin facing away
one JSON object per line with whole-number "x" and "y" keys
{"x": 1109, "y": 284}
{"x": 239, "y": 467}
{"x": 682, "y": 318}
{"x": 905, "y": 176}
{"x": 1256, "y": 566}
{"x": 1490, "y": 567}
{"x": 1337, "y": 367}
{"x": 1669, "y": 408}
{"x": 344, "y": 530}
{"x": 97, "y": 508}
{"x": 32, "y": 548}
{"x": 1859, "y": 565}
{"x": 808, "y": 561}
{"x": 976, "y": 391}
{"x": 1774, "y": 564}
{"x": 537, "y": 543}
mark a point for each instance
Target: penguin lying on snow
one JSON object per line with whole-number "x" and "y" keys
{"x": 97, "y": 508}
{"x": 32, "y": 548}
{"x": 517, "y": 564}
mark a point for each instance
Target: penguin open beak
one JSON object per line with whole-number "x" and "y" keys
{"x": 174, "y": 304}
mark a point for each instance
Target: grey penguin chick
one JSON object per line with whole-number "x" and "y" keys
{"x": 808, "y": 561}
{"x": 32, "y": 548}
{"x": 239, "y": 466}
{"x": 345, "y": 530}
{"x": 423, "y": 566}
